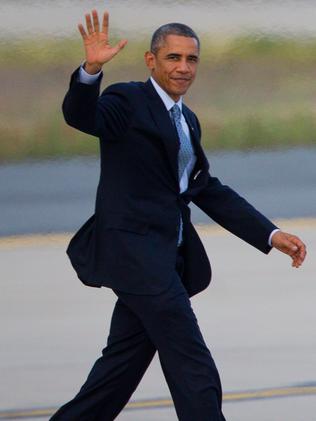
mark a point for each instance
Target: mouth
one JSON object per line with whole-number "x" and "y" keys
{"x": 181, "y": 80}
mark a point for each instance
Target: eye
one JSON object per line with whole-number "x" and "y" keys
{"x": 173, "y": 57}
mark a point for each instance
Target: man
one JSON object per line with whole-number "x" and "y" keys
{"x": 140, "y": 241}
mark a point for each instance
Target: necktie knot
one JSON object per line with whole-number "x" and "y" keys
{"x": 176, "y": 112}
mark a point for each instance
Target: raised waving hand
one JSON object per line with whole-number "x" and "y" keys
{"x": 96, "y": 42}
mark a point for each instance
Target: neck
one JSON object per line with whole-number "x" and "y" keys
{"x": 174, "y": 97}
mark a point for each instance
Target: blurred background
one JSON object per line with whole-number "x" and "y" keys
{"x": 255, "y": 93}
{"x": 256, "y": 85}
{"x": 255, "y": 96}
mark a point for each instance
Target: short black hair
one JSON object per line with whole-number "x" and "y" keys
{"x": 174, "y": 28}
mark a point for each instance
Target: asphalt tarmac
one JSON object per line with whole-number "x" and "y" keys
{"x": 258, "y": 318}
{"x": 59, "y": 195}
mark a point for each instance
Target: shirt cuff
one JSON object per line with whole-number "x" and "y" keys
{"x": 85, "y": 77}
{"x": 271, "y": 235}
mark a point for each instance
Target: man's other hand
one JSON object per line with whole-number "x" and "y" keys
{"x": 291, "y": 245}
{"x": 96, "y": 42}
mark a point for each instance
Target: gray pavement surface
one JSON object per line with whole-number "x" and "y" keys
{"x": 258, "y": 318}
{"x": 59, "y": 195}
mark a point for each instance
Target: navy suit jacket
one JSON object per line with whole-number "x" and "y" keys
{"x": 130, "y": 242}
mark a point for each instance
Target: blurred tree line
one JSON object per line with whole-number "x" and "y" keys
{"x": 251, "y": 92}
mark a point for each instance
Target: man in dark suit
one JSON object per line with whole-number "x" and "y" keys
{"x": 140, "y": 241}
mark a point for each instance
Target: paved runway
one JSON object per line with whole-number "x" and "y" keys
{"x": 59, "y": 195}
{"x": 258, "y": 318}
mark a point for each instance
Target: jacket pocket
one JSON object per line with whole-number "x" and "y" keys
{"x": 126, "y": 223}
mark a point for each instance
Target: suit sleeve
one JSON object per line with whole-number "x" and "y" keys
{"x": 106, "y": 116}
{"x": 234, "y": 213}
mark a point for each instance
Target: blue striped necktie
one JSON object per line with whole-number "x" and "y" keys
{"x": 185, "y": 152}
{"x": 186, "y": 149}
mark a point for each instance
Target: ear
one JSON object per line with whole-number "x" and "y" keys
{"x": 150, "y": 60}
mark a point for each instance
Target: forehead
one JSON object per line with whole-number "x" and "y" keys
{"x": 179, "y": 44}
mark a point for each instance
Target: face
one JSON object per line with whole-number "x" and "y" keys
{"x": 175, "y": 64}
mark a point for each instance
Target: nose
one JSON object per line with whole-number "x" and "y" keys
{"x": 183, "y": 66}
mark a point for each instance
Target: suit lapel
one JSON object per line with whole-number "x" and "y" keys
{"x": 165, "y": 127}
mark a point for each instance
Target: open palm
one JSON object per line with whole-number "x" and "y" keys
{"x": 96, "y": 42}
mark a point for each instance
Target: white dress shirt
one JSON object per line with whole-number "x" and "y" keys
{"x": 85, "y": 77}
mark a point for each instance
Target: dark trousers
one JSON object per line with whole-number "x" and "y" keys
{"x": 140, "y": 325}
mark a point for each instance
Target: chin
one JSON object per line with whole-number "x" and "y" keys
{"x": 181, "y": 93}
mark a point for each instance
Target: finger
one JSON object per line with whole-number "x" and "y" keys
{"x": 121, "y": 44}
{"x": 95, "y": 20}
{"x": 82, "y": 31}
{"x": 296, "y": 263}
{"x": 301, "y": 252}
{"x": 289, "y": 247}
{"x": 89, "y": 23}
{"x": 300, "y": 245}
{"x": 117, "y": 48}
{"x": 294, "y": 243}
{"x": 297, "y": 241}
{"x": 105, "y": 23}
{"x": 298, "y": 258}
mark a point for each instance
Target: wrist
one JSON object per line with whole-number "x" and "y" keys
{"x": 272, "y": 235}
{"x": 92, "y": 68}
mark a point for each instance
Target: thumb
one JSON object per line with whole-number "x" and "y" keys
{"x": 284, "y": 242}
{"x": 290, "y": 246}
{"x": 119, "y": 46}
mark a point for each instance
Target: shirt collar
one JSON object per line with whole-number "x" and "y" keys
{"x": 166, "y": 99}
